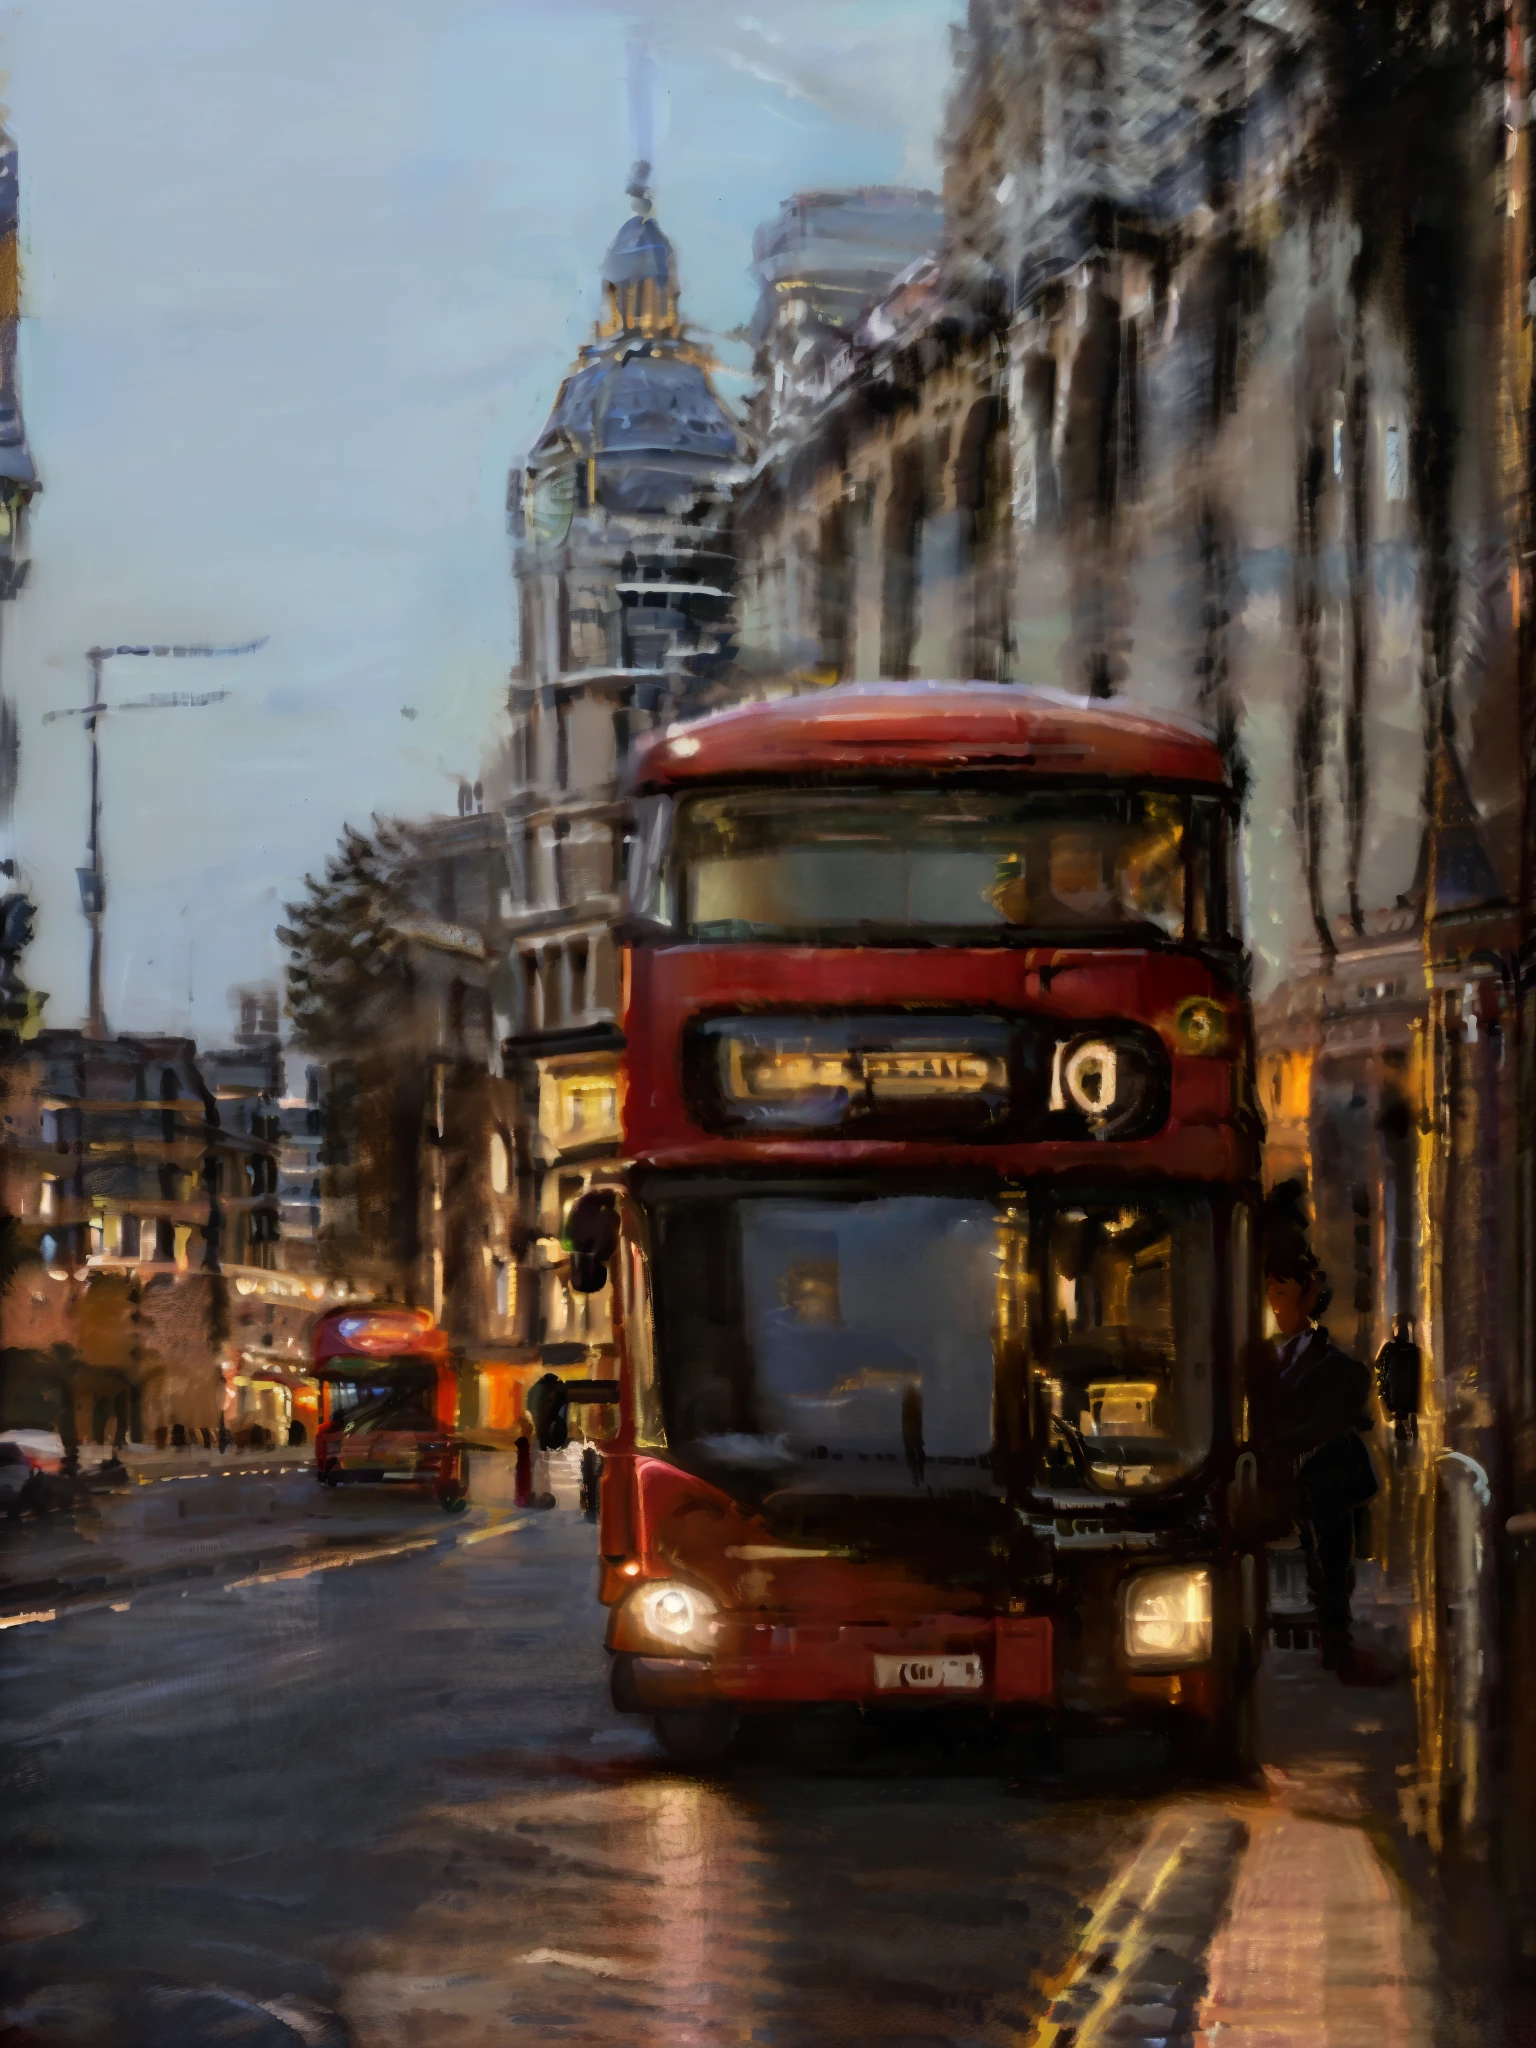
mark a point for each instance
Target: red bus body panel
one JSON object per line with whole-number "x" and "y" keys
{"x": 799, "y": 1625}
{"x": 669, "y": 986}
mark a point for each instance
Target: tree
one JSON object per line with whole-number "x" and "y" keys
{"x": 349, "y": 975}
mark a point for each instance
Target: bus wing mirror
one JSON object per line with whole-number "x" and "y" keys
{"x": 592, "y": 1232}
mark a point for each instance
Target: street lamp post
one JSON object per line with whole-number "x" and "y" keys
{"x": 93, "y": 892}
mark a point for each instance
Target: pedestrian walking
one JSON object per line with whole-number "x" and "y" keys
{"x": 295, "y": 1433}
{"x": 522, "y": 1486}
{"x": 1313, "y": 1414}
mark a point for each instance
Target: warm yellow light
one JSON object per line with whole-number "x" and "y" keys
{"x": 1202, "y": 1024}
{"x": 1168, "y": 1618}
{"x": 778, "y": 1074}
{"x": 905, "y": 1074}
{"x": 887, "y": 1076}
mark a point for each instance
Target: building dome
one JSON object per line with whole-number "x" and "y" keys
{"x": 648, "y": 423}
{"x": 637, "y": 426}
{"x": 640, "y": 271}
{"x": 640, "y": 250}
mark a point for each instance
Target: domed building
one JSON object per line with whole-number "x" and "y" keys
{"x": 621, "y": 516}
{"x": 621, "y": 526}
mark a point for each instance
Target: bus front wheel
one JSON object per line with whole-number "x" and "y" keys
{"x": 695, "y": 1735}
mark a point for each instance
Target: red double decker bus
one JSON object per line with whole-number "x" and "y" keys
{"x": 936, "y": 1288}
{"x": 389, "y": 1402}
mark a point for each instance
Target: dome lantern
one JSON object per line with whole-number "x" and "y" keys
{"x": 640, "y": 272}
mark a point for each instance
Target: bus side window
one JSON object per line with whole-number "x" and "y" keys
{"x": 640, "y": 1349}
{"x": 648, "y": 881}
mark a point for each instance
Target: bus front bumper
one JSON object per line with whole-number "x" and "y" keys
{"x": 945, "y": 1661}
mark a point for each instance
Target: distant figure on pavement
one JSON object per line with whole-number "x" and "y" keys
{"x": 1399, "y": 1376}
{"x": 522, "y": 1487}
{"x": 1313, "y": 1415}
{"x": 178, "y": 1436}
{"x": 591, "y": 1480}
{"x": 295, "y": 1433}
{"x": 223, "y": 1434}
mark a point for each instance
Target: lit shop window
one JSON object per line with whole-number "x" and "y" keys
{"x": 501, "y": 1164}
{"x": 590, "y": 1108}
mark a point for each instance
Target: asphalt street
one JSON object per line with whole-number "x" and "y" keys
{"x": 391, "y": 1802}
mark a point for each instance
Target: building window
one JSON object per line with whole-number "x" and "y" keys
{"x": 128, "y": 1237}
{"x": 1338, "y": 448}
{"x": 1397, "y": 467}
{"x": 504, "y": 1294}
{"x": 501, "y": 1163}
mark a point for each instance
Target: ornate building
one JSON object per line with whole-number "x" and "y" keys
{"x": 623, "y": 556}
{"x": 1217, "y": 391}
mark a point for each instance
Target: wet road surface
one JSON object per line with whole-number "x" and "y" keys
{"x": 395, "y": 1794}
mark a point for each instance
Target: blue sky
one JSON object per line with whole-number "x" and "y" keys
{"x": 301, "y": 278}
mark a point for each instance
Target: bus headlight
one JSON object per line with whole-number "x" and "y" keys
{"x": 1168, "y": 1618}
{"x": 675, "y": 1617}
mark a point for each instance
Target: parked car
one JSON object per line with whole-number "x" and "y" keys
{"x": 41, "y": 1484}
{"x": 43, "y": 1449}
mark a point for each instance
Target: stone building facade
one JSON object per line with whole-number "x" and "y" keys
{"x": 624, "y": 563}
{"x": 144, "y": 1180}
{"x": 1216, "y": 393}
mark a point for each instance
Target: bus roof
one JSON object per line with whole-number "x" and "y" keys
{"x": 927, "y": 728}
{"x": 382, "y": 1330}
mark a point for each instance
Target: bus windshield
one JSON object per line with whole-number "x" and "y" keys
{"x": 869, "y": 1334}
{"x": 984, "y": 866}
{"x": 365, "y": 1395}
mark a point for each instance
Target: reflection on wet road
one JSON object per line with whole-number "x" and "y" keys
{"x": 399, "y": 1792}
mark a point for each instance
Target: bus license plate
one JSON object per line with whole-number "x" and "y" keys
{"x": 928, "y": 1674}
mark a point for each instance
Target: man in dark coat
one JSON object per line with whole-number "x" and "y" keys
{"x": 1313, "y": 1414}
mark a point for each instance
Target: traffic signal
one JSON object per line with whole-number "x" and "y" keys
{"x": 547, "y": 1402}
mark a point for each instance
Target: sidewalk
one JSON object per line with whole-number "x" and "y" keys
{"x": 1302, "y": 1913}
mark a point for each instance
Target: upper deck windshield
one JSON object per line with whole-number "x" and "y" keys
{"x": 367, "y": 1395}
{"x": 874, "y": 1334}
{"x": 985, "y": 866}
